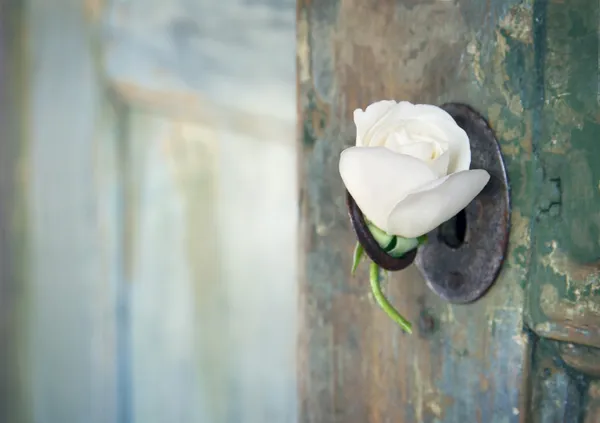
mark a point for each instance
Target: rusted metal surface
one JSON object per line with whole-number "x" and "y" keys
{"x": 463, "y": 273}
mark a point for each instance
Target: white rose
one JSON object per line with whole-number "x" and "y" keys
{"x": 409, "y": 171}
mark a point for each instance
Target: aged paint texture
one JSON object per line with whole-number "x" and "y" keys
{"x": 515, "y": 61}
{"x": 358, "y": 365}
{"x": 564, "y": 290}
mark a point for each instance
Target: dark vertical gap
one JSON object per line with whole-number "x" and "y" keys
{"x": 552, "y": 391}
{"x": 453, "y": 232}
{"x": 531, "y": 400}
{"x": 124, "y": 392}
{"x": 527, "y": 401}
{"x": 540, "y": 9}
{"x": 538, "y": 98}
{"x": 577, "y": 397}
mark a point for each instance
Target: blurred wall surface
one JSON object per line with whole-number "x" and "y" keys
{"x": 155, "y": 202}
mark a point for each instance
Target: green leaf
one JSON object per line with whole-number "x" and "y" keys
{"x": 391, "y": 245}
{"x": 383, "y": 301}
{"x": 403, "y": 245}
{"x": 382, "y": 238}
{"x": 395, "y": 246}
{"x": 358, "y": 253}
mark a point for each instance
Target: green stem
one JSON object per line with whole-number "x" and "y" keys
{"x": 383, "y": 301}
{"x": 358, "y": 253}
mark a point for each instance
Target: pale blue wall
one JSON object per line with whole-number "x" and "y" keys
{"x": 162, "y": 211}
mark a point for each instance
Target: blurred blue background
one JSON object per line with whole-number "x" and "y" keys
{"x": 148, "y": 211}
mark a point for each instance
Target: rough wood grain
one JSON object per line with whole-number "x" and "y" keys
{"x": 463, "y": 363}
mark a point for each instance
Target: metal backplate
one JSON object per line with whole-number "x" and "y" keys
{"x": 461, "y": 263}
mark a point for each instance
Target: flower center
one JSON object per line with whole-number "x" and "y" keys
{"x": 417, "y": 145}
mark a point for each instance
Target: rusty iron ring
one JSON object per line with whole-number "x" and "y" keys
{"x": 370, "y": 245}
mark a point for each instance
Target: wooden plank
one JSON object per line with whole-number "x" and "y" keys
{"x": 356, "y": 365}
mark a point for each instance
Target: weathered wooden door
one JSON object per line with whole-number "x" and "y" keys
{"x": 528, "y": 351}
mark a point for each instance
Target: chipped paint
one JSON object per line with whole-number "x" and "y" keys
{"x": 577, "y": 276}
{"x": 584, "y": 311}
{"x": 518, "y": 23}
{"x": 581, "y": 358}
{"x": 562, "y": 297}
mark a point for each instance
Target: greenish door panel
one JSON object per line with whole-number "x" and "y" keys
{"x": 563, "y": 301}
{"x": 526, "y": 351}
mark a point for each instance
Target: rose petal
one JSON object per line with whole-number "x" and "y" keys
{"x": 377, "y": 178}
{"x": 432, "y": 205}
{"x": 424, "y": 151}
{"x": 458, "y": 144}
{"x": 443, "y": 124}
{"x": 406, "y": 111}
{"x": 424, "y": 122}
{"x": 388, "y": 122}
{"x": 366, "y": 120}
{"x": 440, "y": 164}
{"x": 391, "y": 122}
